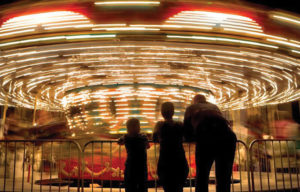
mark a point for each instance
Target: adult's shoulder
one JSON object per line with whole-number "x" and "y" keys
{"x": 159, "y": 123}
{"x": 213, "y": 106}
{"x": 190, "y": 106}
{"x": 209, "y": 103}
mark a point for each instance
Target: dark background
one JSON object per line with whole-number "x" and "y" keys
{"x": 289, "y": 5}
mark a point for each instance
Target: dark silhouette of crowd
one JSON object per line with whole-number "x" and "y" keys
{"x": 204, "y": 125}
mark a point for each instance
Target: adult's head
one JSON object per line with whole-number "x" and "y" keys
{"x": 199, "y": 99}
{"x": 133, "y": 126}
{"x": 167, "y": 110}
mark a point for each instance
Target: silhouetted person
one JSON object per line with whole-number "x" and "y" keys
{"x": 215, "y": 141}
{"x": 135, "y": 175}
{"x": 172, "y": 165}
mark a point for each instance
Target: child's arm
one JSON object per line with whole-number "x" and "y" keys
{"x": 146, "y": 141}
{"x": 147, "y": 144}
{"x": 156, "y": 131}
{"x": 121, "y": 141}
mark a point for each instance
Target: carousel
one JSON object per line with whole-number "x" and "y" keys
{"x": 102, "y": 62}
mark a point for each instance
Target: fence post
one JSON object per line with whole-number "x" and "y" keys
{"x": 250, "y": 168}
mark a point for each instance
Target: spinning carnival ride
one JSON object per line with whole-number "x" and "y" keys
{"x": 102, "y": 62}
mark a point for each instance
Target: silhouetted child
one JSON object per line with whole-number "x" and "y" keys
{"x": 172, "y": 165}
{"x": 135, "y": 175}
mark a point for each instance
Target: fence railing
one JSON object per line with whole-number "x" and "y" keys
{"x": 274, "y": 165}
{"x": 63, "y": 165}
{"x": 35, "y": 165}
{"x": 104, "y": 164}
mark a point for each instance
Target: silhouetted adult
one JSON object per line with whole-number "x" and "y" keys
{"x": 215, "y": 141}
{"x": 172, "y": 166}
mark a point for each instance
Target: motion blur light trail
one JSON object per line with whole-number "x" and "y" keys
{"x": 64, "y": 60}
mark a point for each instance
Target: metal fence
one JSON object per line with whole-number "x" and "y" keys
{"x": 104, "y": 164}
{"x": 63, "y": 165}
{"x": 37, "y": 165}
{"x": 274, "y": 165}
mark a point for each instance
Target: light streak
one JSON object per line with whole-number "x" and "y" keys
{"x": 288, "y": 19}
{"x": 65, "y": 37}
{"x": 128, "y": 3}
{"x": 223, "y": 39}
{"x": 240, "y": 57}
{"x": 284, "y": 43}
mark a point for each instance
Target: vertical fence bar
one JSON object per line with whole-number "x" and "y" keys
{"x": 267, "y": 165}
{"x": 24, "y": 158}
{"x": 259, "y": 166}
{"x": 190, "y": 164}
{"x": 247, "y": 167}
{"x": 282, "y": 169}
{"x": 59, "y": 165}
{"x": 110, "y": 158}
{"x": 92, "y": 166}
{"x": 81, "y": 170}
{"x": 81, "y": 167}
{"x": 32, "y": 166}
{"x": 120, "y": 183}
{"x": 102, "y": 182}
{"x": 14, "y": 171}
{"x": 275, "y": 169}
{"x": 155, "y": 180}
{"x": 297, "y": 167}
{"x": 251, "y": 168}
{"x": 239, "y": 167}
{"x": 5, "y": 164}
{"x": 69, "y": 166}
{"x": 42, "y": 166}
{"x": 51, "y": 145}
{"x": 289, "y": 164}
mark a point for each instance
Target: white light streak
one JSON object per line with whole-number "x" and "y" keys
{"x": 288, "y": 19}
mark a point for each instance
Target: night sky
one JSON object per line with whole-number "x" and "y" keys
{"x": 289, "y": 5}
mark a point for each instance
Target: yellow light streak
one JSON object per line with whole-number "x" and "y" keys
{"x": 69, "y": 37}
{"x": 223, "y": 39}
{"x": 288, "y": 19}
{"x": 284, "y": 43}
{"x": 295, "y": 51}
{"x": 128, "y": 3}
{"x": 126, "y": 29}
{"x": 218, "y": 59}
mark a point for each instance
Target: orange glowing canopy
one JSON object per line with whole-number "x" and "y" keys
{"x": 242, "y": 56}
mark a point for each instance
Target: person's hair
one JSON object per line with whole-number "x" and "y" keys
{"x": 167, "y": 110}
{"x": 133, "y": 126}
{"x": 199, "y": 99}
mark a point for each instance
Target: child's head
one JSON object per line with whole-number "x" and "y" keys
{"x": 133, "y": 126}
{"x": 167, "y": 110}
